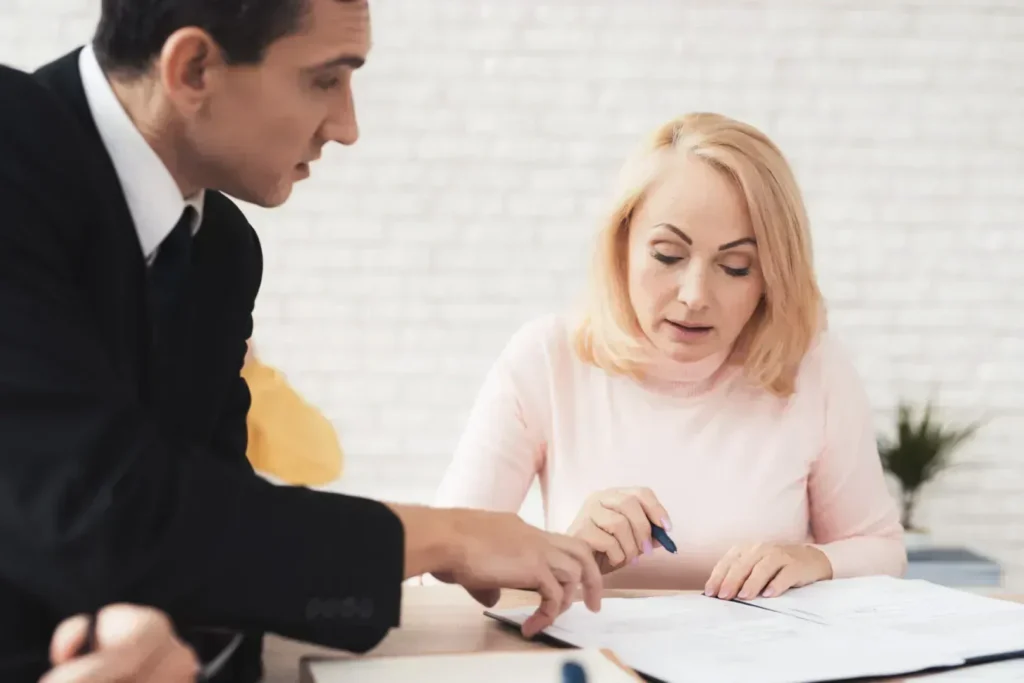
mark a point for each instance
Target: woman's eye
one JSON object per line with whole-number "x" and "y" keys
{"x": 667, "y": 253}
{"x": 737, "y": 272}
{"x": 665, "y": 258}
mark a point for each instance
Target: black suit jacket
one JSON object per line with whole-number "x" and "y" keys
{"x": 123, "y": 474}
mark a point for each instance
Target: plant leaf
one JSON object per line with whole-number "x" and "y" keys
{"x": 921, "y": 449}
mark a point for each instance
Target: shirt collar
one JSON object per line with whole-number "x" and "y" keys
{"x": 153, "y": 197}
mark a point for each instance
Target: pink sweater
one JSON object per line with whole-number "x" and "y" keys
{"x": 732, "y": 464}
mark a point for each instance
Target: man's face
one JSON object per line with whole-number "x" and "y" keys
{"x": 264, "y": 125}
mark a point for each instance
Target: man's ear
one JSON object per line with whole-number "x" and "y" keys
{"x": 190, "y": 67}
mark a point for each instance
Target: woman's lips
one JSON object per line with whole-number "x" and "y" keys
{"x": 688, "y": 331}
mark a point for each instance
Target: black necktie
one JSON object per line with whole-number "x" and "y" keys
{"x": 170, "y": 267}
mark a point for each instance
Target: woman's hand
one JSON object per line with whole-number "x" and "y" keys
{"x": 616, "y": 524}
{"x": 767, "y": 570}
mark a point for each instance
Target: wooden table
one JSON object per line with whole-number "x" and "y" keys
{"x": 438, "y": 619}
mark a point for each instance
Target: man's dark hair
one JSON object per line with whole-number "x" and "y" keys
{"x": 131, "y": 33}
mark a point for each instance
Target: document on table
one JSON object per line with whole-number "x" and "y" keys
{"x": 493, "y": 667}
{"x": 959, "y": 622}
{"x": 832, "y": 630}
{"x": 696, "y": 638}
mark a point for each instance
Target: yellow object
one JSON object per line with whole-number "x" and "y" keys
{"x": 289, "y": 439}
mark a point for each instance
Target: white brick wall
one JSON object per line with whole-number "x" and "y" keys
{"x": 491, "y": 130}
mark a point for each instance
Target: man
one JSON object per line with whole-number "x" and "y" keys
{"x": 127, "y": 282}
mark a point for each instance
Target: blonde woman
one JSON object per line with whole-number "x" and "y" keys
{"x": 699, "y": 391}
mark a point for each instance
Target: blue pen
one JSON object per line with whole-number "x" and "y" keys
{"x": 661, "y": 537}
{"x": 573, "y": 673}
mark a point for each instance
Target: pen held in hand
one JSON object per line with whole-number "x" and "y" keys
{"x": 661, "y": 537}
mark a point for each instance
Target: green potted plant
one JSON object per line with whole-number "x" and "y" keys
{"x": 916, "y": 454}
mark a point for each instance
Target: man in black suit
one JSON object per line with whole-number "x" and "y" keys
{"x": 127, "y": 282}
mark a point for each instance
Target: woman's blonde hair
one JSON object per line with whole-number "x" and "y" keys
{"x": 791, "y": 313}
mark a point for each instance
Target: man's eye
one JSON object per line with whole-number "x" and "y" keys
{"x": 327, "y": 83}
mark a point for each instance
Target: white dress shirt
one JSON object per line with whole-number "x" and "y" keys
{"x": 154, "y": 198}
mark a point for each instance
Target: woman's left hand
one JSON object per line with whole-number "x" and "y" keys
{"x": 766, "y": 570}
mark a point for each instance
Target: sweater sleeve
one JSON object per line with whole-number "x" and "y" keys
{"x": 503, "y": 445}
{"x": 854, "y": 518}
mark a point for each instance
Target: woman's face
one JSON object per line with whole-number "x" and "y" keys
{"x": 694, "y": 276}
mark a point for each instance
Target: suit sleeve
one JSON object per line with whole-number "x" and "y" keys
{"x": 231, "y": 435}
{"x": 95, "y": 505}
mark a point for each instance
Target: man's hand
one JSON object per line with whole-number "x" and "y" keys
{"x": 133, "y": 644}
{"x": 486, "y": 551}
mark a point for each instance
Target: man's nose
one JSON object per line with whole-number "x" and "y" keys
{"x": 341, "y": 124}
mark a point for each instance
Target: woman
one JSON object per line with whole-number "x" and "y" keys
{"x": 698, "y": 391}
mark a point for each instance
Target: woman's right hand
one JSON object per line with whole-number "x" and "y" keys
{"x": 616, "y": 524}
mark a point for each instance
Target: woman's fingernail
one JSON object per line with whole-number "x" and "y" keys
{"x": 635, "y": 561}
{"x": 744, "y": 595}
{"x": 648, "y": 548}
{"x": 666, "y": 525}
{"x": 768, "y": 592}
{"x": 708, "y": 591}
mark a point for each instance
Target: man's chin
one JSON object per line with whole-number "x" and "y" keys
{"x": 265, "y": 199}
{"x": 275, "y": 199}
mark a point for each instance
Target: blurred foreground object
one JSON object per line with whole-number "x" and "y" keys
{"x": 289, "y": 439}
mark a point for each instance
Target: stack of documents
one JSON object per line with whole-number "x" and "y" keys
{"x": 833, "y": 630}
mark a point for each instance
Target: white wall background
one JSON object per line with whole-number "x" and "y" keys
{"x": 492, "y": 128}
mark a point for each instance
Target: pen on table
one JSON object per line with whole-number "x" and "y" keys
{"x": 661, "y": 537}
{"x": 573, "y": 673}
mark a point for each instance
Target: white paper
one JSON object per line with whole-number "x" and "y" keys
{"x": 623, "y": 620}
{"x": 696, "y": 638}
{"x": 493, "y": 667}
{"x": 957, "y": 622}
